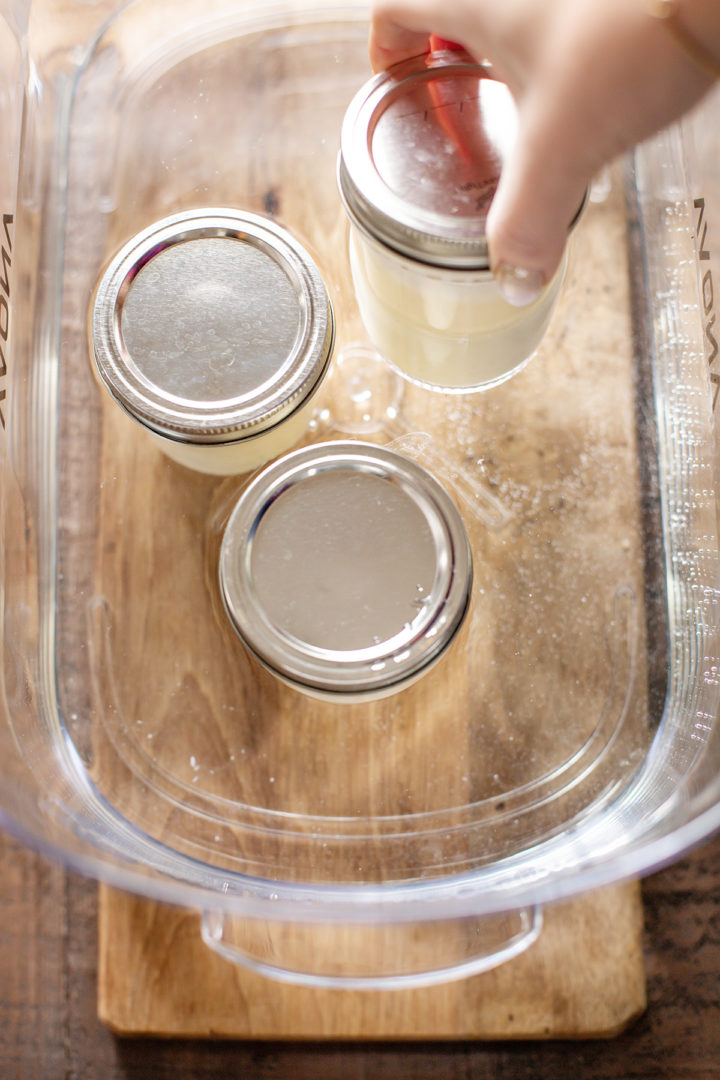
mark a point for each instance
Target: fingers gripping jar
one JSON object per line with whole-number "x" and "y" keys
{"x": 422, "y": 149}
{"x": 213, "y": 330}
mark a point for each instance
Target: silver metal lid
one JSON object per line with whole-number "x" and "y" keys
{"x": 211, "y": 326}
{"x": 422, "y": 149}
{"x": 345, "y": 567}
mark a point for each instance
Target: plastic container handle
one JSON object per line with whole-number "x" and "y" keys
{"x": 370, "y": 956}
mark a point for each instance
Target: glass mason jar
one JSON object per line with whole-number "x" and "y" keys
{"x": 346, "y": 569}
{"x": 213, "y": 330}
{"x": 422, "y": 150}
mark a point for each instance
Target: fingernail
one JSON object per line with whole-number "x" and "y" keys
{"x": 517, "y": 285}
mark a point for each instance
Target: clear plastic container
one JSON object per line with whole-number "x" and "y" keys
{"x": 573, "y": 740}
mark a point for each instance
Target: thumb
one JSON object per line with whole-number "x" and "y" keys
{"x": 538, "y": 197}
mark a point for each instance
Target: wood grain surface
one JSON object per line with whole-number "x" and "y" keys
{"x": 190, "y": 741}
{"x": 49, "y": 1028}
{"x": 583, "y": 978}
{"x": 556, "y": 446}
{"x": 193, "y": 743}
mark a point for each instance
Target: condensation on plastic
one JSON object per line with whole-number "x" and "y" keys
{"x": 597, "y": 816}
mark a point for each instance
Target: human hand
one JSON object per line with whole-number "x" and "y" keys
{"x": 590, "y": 80}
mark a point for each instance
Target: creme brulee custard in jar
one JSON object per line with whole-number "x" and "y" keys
{"x": 422, "y": 149}
{"x": 213, "y": 330}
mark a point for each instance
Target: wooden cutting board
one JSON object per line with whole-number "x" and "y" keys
{"x": 183, "y": 723}
{"x": 583, "y": 978}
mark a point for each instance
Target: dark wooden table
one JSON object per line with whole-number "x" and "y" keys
{"x": 49, "y": 1028}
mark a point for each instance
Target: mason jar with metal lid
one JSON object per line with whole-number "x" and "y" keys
{"x": 422, "y": 149}
{"x": 345, "y": 568}
{"x": 213, "y": 330}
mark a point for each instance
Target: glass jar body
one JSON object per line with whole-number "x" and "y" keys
{"x": 234, "y": 458}
{"x": 447, "y": 329}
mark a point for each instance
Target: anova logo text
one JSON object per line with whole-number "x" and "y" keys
{"x": 5, "y": 267}
{"x": 708, "y": 296}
